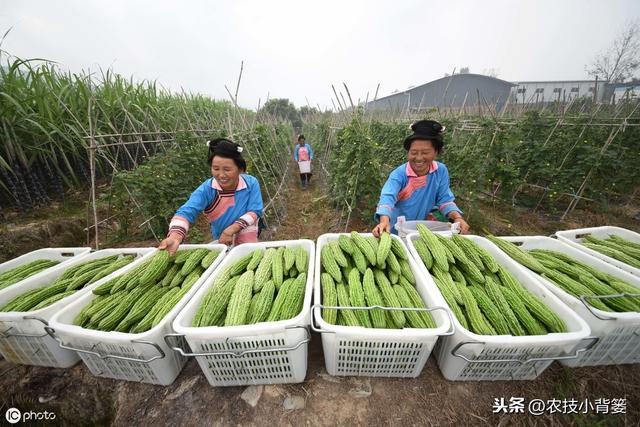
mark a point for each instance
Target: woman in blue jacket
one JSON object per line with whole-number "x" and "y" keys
{"x": 415, "y": 187}
{"x": 230, "y": 199}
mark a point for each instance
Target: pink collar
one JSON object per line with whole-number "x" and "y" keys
{"x": 410, "y": 172}
{"x": 241, "y": 184}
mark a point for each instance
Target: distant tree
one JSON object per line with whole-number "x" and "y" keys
{"x": 283, "y": 109}
{"x": 490, "y": 72}
{"x": 621, "y": 60}
{"x": 464, "y": 70}
{"x": 306, "y": 111}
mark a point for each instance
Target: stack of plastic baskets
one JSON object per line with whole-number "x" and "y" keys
{"x": 618, "y": 334}
{"x": 142, "y": 357}
{"x": 469, "y": 356}
{"x": 262, "y": 353}
{"x": 23, "y": 338}
{"x": 575, "y": 237}
{"x": 374, "y": 352}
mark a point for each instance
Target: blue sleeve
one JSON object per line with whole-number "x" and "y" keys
{"x": 310, "y": 152}
{"x": 255, "y": 199}
{"x": 445, "y": 200}
{"x": 198, "y": 200}
{"x": 295, "y": 153}
{"x": 389, "y": 196}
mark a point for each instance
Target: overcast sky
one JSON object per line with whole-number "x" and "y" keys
{"x": 297, "y": 49}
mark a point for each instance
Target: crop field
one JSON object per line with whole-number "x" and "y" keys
{"x": 112, "y": 159}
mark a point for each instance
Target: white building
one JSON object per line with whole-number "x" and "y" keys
{"x": 626, "y": 92}
{"x": 550, "y": 91}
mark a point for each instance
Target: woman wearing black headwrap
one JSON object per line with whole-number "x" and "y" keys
{"x": 231, "y": 200}
{"x": 414, "y": 188}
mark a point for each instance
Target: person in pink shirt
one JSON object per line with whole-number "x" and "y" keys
{"x": 303, "y": 154}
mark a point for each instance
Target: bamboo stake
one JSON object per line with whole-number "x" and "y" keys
{"x": 348, "y": 95}
{"x": 337, "y": 98}
{"x": 92, "y": 167}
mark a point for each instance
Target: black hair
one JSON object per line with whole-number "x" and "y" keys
{"x": 427, "y": 130}
{"x": 301, "y": 137}
{"x": 227, "y": 149}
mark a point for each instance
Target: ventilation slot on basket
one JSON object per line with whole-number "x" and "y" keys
{"x": 507, "y": 370}
{"x": 250, "y": 368}
{"x": 379, "y": 358}
{"x": 119, "y": 369}
{"x": 28, "y": 351}
{"x": 176, "y": 358}
{"x": 620, "y": 346}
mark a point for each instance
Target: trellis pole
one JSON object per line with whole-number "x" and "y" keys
{"x": 92, "y": 168}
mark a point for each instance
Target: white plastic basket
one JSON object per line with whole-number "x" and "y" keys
{"x": 469, "y": 356}
{"x": 618, "y": 333}
{"x": 361, "y": 351}
{"x": 263, "y": 353}
{"x": 142, "y": 357}
{"x": 575, "y": 237}
{"x": 305, "y": 166}
{"x": 23, "y": 338}
{"x": 405, "y": 228}
{"x": 54, "y": 254}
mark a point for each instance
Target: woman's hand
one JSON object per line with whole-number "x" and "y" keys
{"x": 170, "y": 244}
{"x": 384, "y": 226}
{"x": 226, "y": 238}
{"x": 464, "y": 227}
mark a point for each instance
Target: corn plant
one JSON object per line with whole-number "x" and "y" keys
{"x": 47, "y": 114}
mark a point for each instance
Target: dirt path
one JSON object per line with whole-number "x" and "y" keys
{"x": 79, "y": 398}
{"x": 308, "y": 212}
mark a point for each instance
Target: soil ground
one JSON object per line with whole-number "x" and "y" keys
{"x": 79, "y": 398}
